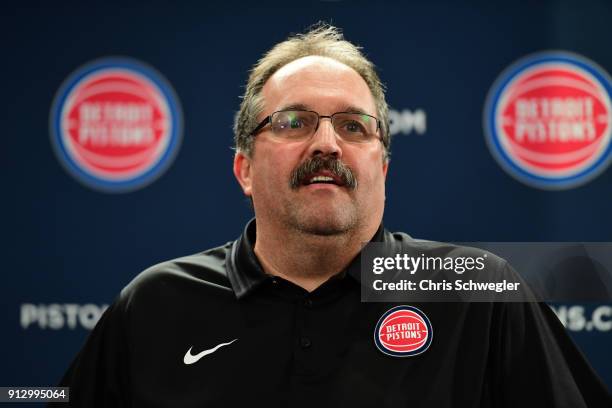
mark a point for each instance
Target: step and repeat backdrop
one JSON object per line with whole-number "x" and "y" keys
{"x": 116, "y": 148}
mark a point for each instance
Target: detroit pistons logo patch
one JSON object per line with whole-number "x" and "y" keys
{"x": 547, "y": 120}
{"x": 116, "y": 124}
{"x": 403, "y": 331}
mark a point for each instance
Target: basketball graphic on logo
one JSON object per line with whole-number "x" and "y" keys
{"x": 403, "y": 331}
{"x": 116, "y": 124}
{"x": 547, "y": 120}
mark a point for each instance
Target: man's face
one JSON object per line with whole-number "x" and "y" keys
{"x": 326, "y": 86}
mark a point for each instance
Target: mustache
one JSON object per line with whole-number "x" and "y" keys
{"x": 317, "y": 164}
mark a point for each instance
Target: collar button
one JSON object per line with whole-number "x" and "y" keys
{"x": 305, "y": 342}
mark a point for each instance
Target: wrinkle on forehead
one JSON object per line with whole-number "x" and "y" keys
{"x": 329, "y": 77}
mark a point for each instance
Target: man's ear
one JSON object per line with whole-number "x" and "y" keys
{"x": 242, "y": 172}
{"x": 385, "y": 167}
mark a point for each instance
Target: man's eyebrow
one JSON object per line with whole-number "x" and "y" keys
{"x": 345, "y": 108}
{"x": 353, "y": 109}
{"x": 295, "y": 106}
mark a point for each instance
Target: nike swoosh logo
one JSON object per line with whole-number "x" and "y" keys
{"x": 190, "y": 358}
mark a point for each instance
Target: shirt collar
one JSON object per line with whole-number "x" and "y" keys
{"x": 246, "y": 273}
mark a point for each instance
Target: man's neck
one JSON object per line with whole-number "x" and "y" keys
{"x": 308, "y": 260}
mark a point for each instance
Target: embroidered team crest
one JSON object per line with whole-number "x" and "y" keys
{"x": 403, "y": 331}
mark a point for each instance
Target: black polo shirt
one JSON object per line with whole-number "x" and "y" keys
{"x": 213, "y": 330}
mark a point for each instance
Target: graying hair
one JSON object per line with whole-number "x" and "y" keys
{"x": 323, "y": 40}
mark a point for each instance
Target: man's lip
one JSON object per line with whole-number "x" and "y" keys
{"x": 321, "y": 186}
{"x": 337, "y": 180}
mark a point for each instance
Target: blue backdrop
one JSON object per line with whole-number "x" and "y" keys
{"x": 68, "y": 249}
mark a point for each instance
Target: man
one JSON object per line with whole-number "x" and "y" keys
{"x": 275, "y": 317}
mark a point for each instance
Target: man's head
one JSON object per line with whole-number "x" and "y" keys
{"x": 320, "y": 172}
{"x": 322, "y": 40}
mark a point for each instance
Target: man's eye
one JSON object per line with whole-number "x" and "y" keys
{"x": 290, "y": 121}
{"x": 290, "y": 124}
{"x": 295, "y": 123}
{"x": 354, "y": 127}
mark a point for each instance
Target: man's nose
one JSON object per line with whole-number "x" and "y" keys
{"x": 324, "y": 141}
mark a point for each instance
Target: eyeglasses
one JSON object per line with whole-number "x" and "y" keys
{"x": 302, "y": 124}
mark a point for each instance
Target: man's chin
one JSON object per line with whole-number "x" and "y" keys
{"x": 325, "y": 224}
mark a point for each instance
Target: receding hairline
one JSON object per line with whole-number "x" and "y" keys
{"x": 297, "y": 66}
{"x": 304, "y": 61}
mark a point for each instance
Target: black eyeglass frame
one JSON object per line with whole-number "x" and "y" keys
{"x": 268, "y": 119}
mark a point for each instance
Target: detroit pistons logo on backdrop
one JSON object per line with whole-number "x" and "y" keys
{"x": 547, "y": 120}
{"x": 116, "y": 124}
{"x": 403, "y": 331}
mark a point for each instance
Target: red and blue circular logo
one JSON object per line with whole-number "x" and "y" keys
{"x": 548, "y": 118}
{"x": 116, "y": 124}
{"x": 403, "y": 331}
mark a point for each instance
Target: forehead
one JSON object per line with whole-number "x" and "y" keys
{"x": 319, "y": 83}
